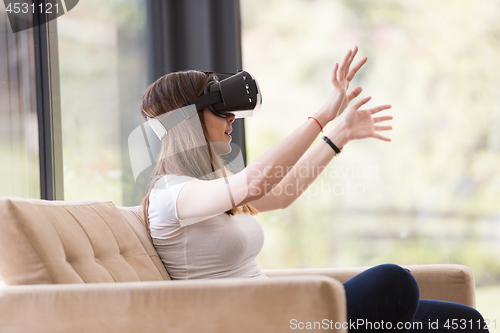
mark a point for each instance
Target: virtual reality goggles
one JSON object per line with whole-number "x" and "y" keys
{"x": 236, "y": 93}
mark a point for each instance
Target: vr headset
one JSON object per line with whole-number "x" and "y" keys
{"x": 237, "y": 93}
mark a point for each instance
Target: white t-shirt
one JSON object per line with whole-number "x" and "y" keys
{"x": 217, "y": 246}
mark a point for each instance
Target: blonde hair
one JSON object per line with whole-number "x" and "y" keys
{"x": 166, "y": 94}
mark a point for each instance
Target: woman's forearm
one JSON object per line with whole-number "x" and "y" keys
{"x": 205, "y": 198}
{"x": 356, "y": 125}
{"x": 303, "y": 173}
{"x": 270, "y": 168}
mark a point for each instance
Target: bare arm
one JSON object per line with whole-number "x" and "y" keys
{"x": 357, "y": 124}
{"x": 203, "y": 198}
{"x": 297, "y": 180}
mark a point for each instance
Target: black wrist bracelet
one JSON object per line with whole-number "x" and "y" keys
{"x": 334, "y": 147}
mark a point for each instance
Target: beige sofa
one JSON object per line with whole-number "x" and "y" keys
{"x": 58, "y": 258}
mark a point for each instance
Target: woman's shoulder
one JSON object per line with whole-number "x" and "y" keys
{"x": 163, "y": 197}
{"x": 171, "y": 180}
{"x": 167, "y": 188}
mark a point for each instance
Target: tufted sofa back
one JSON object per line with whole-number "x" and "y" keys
{"x": 45, "y": 242}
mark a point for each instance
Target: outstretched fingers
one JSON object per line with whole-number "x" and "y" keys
{"x": 351, "y": 58}
{"x": 362, "y": 101}
{"x": 334, "y": 73}
{"x": 380, "y": 137}
{"x": 382, "y": 128}
{"x": 354, "y": 93}
{"x": 379, "y": 119}
{"x": 356, "y": 68}
{"x": 343, "y": 64}
{"x": 379, "y": 108}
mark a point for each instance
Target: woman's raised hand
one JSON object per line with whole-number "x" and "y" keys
{"x": 359, "y": 124}
{"x": 347, "y": 77}
{"x": 339, "y": 99}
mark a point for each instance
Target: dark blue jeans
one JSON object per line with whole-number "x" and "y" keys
{"x": 386, "y": 298}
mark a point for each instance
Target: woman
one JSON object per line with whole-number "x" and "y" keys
{"x": 200, "y": 214}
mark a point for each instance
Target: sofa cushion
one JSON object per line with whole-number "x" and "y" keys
{"x": 135, "y": 219}
{"x": 72, "y": 242}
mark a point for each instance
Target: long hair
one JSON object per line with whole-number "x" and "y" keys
{"x": 168, "y": 93}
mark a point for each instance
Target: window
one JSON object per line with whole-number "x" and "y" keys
{"x": 76, "y": 84}
{"x": 429, "y": 196}
{"x": 19, "y": 155}
{"x": 103, "y": 74}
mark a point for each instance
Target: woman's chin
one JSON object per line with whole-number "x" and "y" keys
{"x": 221, "y": 148}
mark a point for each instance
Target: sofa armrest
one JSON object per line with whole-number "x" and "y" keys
{"x": 446, "y": 282}
{"x": 454, "y": 283}
{"x": 222, "y": 305}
